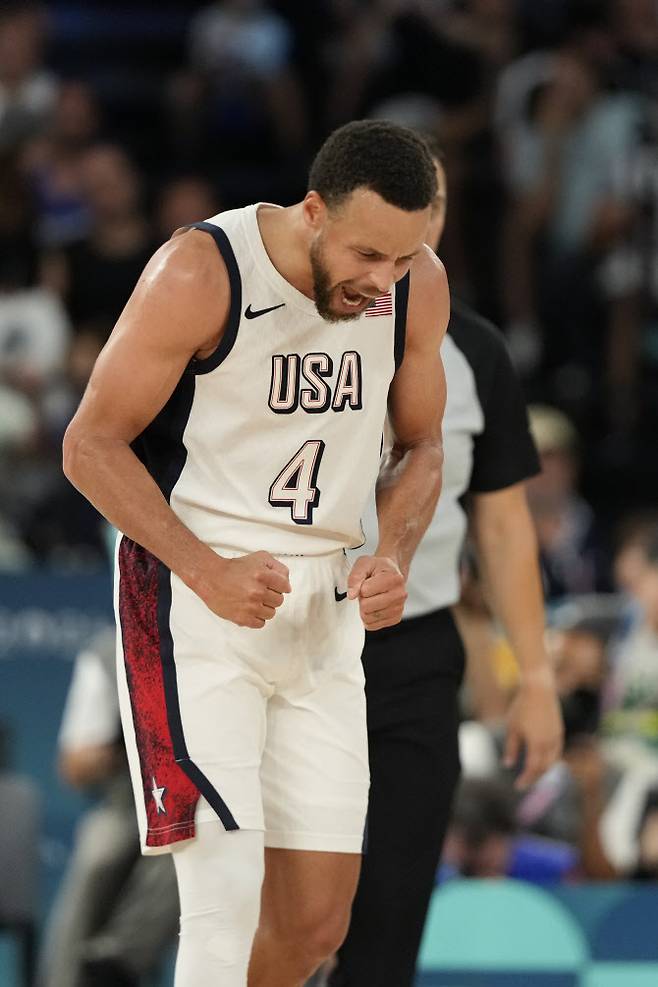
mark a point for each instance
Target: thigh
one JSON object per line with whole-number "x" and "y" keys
{"x": 314, "y": 773}
{"x": 302, "y": 889}
{"x": 193, "y": 710}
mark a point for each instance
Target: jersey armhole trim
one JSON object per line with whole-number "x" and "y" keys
{"x": 401, "y": 302}
{"x": 227, "y": 342}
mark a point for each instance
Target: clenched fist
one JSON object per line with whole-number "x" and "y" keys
{"x": 247, "y": 590}
{"x": 379, "y": 586}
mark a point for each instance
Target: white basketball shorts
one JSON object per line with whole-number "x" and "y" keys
{"x": 261, "y": 729}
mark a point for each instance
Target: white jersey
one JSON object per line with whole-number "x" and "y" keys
{"x": 273, "y": 442}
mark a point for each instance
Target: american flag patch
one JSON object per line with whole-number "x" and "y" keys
{"x": 381, "y": 306}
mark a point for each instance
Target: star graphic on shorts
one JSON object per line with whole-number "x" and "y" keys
{"x": 158, "y": 794}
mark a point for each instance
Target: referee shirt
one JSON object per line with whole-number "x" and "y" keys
{"x": 487, "y": 447}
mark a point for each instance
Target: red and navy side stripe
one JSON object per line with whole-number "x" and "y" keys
{"x": 145, "y": 610}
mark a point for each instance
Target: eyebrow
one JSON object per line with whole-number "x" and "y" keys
{"x": 378, "y": 253}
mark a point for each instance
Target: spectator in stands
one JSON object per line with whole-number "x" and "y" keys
{"x": 571, "y": 554}
{"x": 630, "y": 561}
{"x": 27, "y": 89}
{"x": 480, "y": 838}
{"x": 19, "y": 430}
{"x": 647, "y": 862}
{"x": 59, "y": 526}
{"x": 96, "y": 275}
{"x": 580, "y": 670}
{"x": 616, "y": 770}
{"x": 564, "y": 213}
{"x": 636, "y": 29}
{"x": 631, "y": 719}
{"x": 54, "y": 163}
{"x": 240, "y": 86}
{"x": 607, "y": 659}
{"x": 116, "y": 911}
{"x": 34, "y": 338}
{"x": 630, "y": 286}
{"x": 34, "y": 330}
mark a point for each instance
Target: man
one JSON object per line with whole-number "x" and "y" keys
{"x": 234, "y": 420}
{"x": 413, "y": 671}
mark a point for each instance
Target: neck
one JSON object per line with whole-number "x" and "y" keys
{"x": 286, "y": 241}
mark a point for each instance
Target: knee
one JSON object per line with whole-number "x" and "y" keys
{"x": 319, "y": 932}
{"x": 327, "y": 936}
{"x": 220, "y": 904}
{"x": 230, "y": 892}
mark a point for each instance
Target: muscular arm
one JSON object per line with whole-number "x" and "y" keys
{"x": 177, "y": 310}
{"x": 507, "y": 548}
{"x": 410, "y": 479}
{"x": 136, "y": 373}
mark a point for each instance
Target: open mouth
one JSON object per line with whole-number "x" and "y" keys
{"x": 354, "y": 299}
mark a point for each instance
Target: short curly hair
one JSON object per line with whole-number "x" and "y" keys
{"x": 393, "y": 161}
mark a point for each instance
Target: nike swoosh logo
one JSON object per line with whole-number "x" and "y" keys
{"x": 250, "y": 313}
{"x": 339, "y": 596}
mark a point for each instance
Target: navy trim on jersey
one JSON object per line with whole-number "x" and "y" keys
{"x": 230, "y": 334}
{"x": 172, "y": 702}
{"x": 401, "y": 301}
{"x": 160, "y": 447}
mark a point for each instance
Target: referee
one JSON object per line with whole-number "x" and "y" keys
{"x": 414, "y": 670}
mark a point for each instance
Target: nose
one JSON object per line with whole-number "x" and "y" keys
{"x": 382, "y": 277}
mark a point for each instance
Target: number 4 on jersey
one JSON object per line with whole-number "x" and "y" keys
{"x": 295, "y": 486}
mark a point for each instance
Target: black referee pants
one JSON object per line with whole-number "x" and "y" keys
{"x": 413, "y": 674}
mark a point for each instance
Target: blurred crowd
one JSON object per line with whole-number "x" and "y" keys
{"x": 117, "y": 126}
{"x": 594, "y": 815}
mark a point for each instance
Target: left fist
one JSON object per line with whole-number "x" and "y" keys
{"x": 379, "y": 586}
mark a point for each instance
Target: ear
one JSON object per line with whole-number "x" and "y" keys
{"x": 314, "y": 210}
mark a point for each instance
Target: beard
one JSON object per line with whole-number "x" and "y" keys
{"x": 323, "y": 289}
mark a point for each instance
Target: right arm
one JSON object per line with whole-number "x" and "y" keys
{"x": 177, "y": 310}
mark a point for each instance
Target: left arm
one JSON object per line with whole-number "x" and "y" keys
{"x": 410, "y": 478}
{"x": 507, "y": 550}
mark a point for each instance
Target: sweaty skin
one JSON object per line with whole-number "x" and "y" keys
{"x": 366, "y": 245}
{"x": 410, "y": 480}
{"x": 132, "y": 380}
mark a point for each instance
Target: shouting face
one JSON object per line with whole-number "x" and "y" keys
{"x": 358, "y": 249}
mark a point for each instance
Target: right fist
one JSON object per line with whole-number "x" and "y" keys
{"x": 247, "y": 590}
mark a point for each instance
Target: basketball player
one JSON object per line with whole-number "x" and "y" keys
{"x": 414, "y": 670}
{"x": 232, "y": 430}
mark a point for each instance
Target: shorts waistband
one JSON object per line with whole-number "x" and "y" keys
{"x": 231, "y": 553}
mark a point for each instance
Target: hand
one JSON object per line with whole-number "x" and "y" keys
{"x": 247, "y": 590}
{"x": 379, "y": 586}
{"x": 534, "y": 719}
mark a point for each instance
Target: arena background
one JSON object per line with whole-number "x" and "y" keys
{"x": 121, "y": 122}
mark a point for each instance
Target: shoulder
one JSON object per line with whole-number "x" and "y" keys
{"x": 190, "y": 260}
{"x": 183, "y": 294}
{"x": 427, "y": 278}
{"x": 429, "y": 298}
